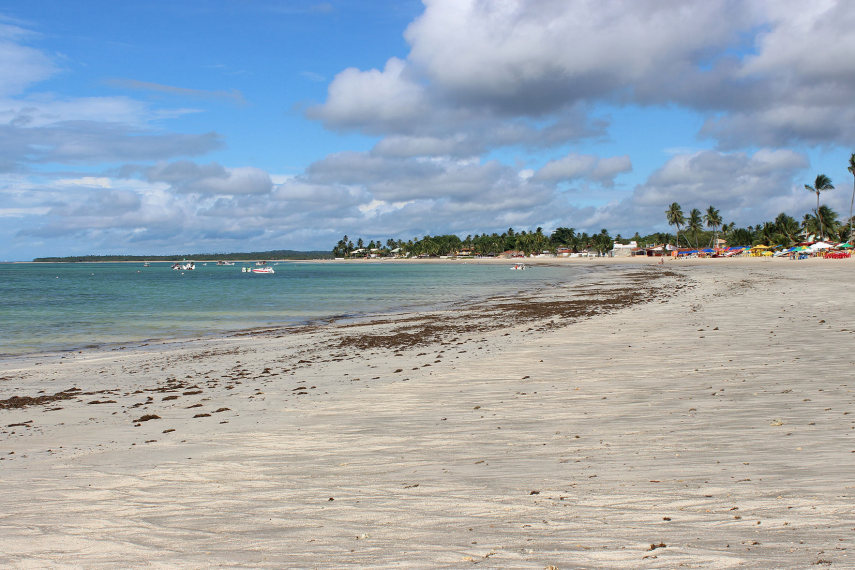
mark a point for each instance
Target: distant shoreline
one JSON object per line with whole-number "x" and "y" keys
{"x": 605, "y": 260}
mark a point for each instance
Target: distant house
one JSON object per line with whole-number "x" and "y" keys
{"x": 621, "y": 250}
{"x": 512, "y": 253}
{"x": 653, "y": 251}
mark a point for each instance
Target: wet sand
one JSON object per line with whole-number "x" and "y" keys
{"x": 697, "y": 413}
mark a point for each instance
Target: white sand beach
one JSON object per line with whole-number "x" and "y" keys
{"x": 697, "y": 414}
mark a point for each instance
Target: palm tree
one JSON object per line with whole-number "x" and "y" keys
{"x": 562, "y": 236}
{"x": 821, "y": 184}
{"x": 809, "y": 226}
{"x": 675, "y": 217}
{"x": 695, "y": 223}
{"x": 851, "y": 170}
{"x": 713, "y": 220}
{"x": 741, "y": 236}
{"x": 787, "y": 227}
{"x": 768, "y": 233}
{"x": 829, "y": 226}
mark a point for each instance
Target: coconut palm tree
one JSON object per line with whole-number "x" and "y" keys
{"x": 675, "y": 217}
{"x": 767, "y": 234}
{"x": 808, "y": 225}
{"x": 740, "y": 236}
{"x": 828, "y": 223}
{"x": 713, "y": 220}
{"x": 851, "y": 170}
{"x": 695, "y": 224}
{"x": 821, "y": 184}
{"x": 787, "y": 227}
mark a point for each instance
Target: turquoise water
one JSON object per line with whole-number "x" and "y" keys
{"x": 57, "y": 307}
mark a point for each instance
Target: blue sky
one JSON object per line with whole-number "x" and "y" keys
{"x": 170, "y": 127}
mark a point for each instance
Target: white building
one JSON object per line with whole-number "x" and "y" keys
{"x": 621, "y": 250}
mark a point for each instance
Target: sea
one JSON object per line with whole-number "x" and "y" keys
{"x": 56, "y": 307}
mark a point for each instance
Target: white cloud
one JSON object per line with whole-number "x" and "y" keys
{"x": 747, "y": 189}
{"x": 39, "y": 127}
{"x": 20, "y": 65}
{"x": 188, "y": 177}
{"x": 584, "y": 166}
{"x": 761, "y": 73}
{"x": 388, "y": 98}
{"x": 529, "y": 77}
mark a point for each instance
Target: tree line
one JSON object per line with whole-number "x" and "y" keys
{"x": 253, "y": 255}
{"x": 485, "y": 244}
{"x": 822, "y": 223}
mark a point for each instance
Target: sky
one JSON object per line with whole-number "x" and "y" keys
{"x": 168, "y": 127}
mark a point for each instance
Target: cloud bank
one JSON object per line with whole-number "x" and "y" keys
{"x": 492, "y": 119}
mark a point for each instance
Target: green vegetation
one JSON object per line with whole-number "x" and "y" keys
{"x": 252, "y": 255}
{"x": 486, "y": 245}
{"x": 675, "y": 217}
{"x": 783, "y": 230}
{"x": 821, "y": 184}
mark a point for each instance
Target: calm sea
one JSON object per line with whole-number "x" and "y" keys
{"x": 58, "y": 307}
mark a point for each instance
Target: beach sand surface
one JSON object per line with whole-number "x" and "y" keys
{"x": 694, "y": 414}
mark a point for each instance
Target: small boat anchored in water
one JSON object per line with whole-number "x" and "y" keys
{"x": 262, "y": 270}
{"x": 189, "y": 266}
{"x": 519, "y": 267}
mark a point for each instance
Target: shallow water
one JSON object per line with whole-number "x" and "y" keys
{"x": 57, "y": 306}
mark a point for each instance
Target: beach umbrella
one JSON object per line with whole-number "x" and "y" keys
{"x": 844, "y": 245}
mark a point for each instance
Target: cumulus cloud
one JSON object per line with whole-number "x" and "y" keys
{"x": 486, "y": 90}
{"x": 187, "y": 177}
{"x": 394, "y": 195}
{"x": 761, "y": 73}
{"x": 83, "y": 142}
{"x": 578, "y": 166}
{"x": 394, "y": 179}
{"x": 374, "y": 100}
{"x": 533, "y": 57}
{"x": 746, "y": 188}
{"x": 493, "y": 61}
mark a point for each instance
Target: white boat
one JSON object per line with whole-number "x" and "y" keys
{"x": 189, "y": 266}
{"x": 519, "y": 267}
{"x": 225, "y": 263}
{"x": 263, "y": 270}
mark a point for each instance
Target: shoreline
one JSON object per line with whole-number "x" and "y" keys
{"x": 284, "y": 326}
{"x": 452, "y": 260}
{"x": 675, "y": 415}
